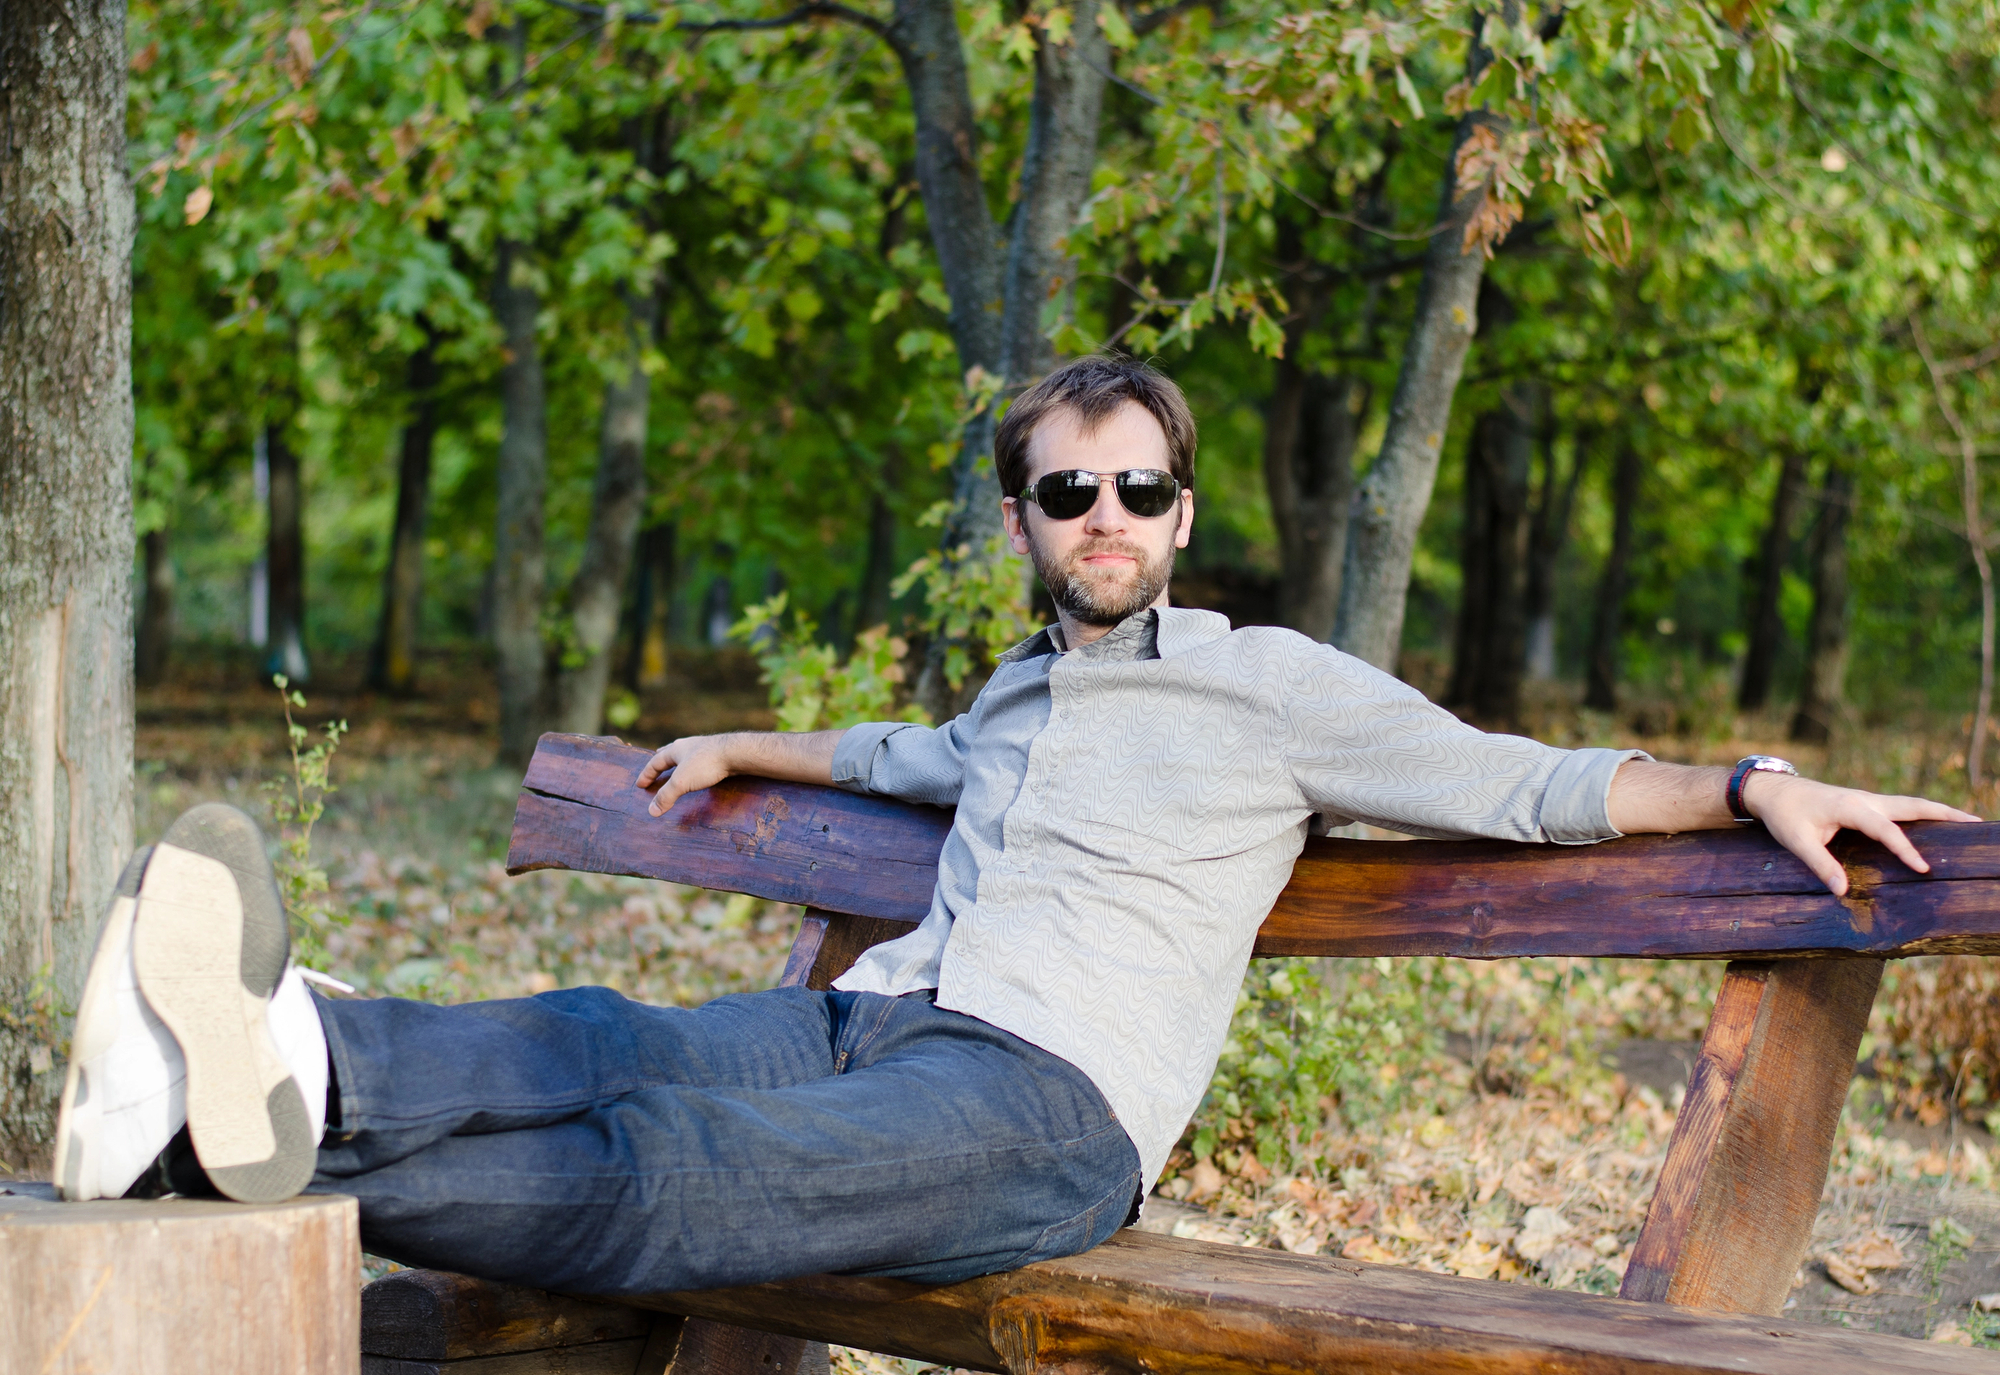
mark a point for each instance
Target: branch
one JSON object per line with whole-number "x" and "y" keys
{"x": 1143, "y": 24}
{"x": 815, "y": 9}
{"x": 1972, "y": 362}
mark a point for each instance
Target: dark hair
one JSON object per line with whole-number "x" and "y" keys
{"x": 1094, "y": 387}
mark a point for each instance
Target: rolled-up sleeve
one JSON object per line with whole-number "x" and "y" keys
{"x": 896, "y": 759}
{"x": 1365, "y": 747}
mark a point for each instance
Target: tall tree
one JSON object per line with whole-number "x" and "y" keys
{"x": 285, "y": 554}
{"x": 1491, "y": 649}
{"x": 1607, "y": 627}
{"x": 1765, "y": 623}
{"x": 156, "y": 616}
{"x": 519, "y": 557}
{"x": 1547, "y": 534}
{"x": 65, "y": 529}
{"x": 1391, "y": 500}
{"x": 1820, "y": 697}
{"x": 392, "y": 664}
{"x": 618, "y": 502}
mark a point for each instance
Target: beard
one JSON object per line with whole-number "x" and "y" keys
{"x": 1103, "y": 598}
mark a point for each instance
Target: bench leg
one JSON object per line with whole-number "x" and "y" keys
{"x": 695, "y": 1346}
{"x": 1733, "y": 1213}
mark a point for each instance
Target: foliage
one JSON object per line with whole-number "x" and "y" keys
{"x": 977, "y": 599}
{"x": 1303, "y": 1050}
{"x": 1319, "y": 1047}
{"x": 297, "y": 804}
{"x": 810, "y": 685}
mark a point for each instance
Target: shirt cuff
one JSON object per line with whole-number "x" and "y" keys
{"x": 1576, "y": 804}
{"x": 860, "y": 746}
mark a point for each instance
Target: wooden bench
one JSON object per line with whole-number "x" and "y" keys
{"x": 1726, "y": 1231}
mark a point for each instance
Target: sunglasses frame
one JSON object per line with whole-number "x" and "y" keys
{"x": 1031, "y": 492}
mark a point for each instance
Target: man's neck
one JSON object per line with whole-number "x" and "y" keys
{"x": 1076, "y": 634}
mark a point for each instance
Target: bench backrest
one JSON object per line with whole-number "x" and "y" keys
{"x": 1703, "y": 895}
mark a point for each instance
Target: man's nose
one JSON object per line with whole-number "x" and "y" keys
{"x": 1107, "y": 514}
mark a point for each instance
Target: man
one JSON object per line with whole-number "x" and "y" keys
{"x": 1002, "y": 1084}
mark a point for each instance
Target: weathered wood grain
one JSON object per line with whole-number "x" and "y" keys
{"x": 846, "y": 938}
{"x": 1705, "y": 895}
{"x": 176, "y": 1285}
{"x": 429, "y": 1315}
{"x": 1162, "y": 1304}
{"x": 790, "y": 842}
{"x": 596, "y": 1358}
{"x": 1733, "y": 1213}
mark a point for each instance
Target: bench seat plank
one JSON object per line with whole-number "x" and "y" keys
{"x": 1704, "y": 895}
{"x": 1162, "y": 1304}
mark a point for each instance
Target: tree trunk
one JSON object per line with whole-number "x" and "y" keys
{"x": 1821, "y": 695}
{"x": 156, "y": 619}
{"x": 872, "y": 603}
{"x": 1492, "y": 620}
{"x": 1767, "y": 626}
{"x": 65, "y": 531}
{"x": 618, "y": 503}
{"x": 652, "y": 607}
{"x": 1389, "y": 505}
{"x": 392, "y": 666}
{"x": 1608, "y": 625}
{"x": 1547, "y": 534}
{"x": 1056, "y": 167}
{"x": 519, "y": 561}
{"x": 285, "y": 559}
{"x": 1310, "y": 431}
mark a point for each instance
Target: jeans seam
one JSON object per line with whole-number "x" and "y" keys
{"x": 851, "y": 1052}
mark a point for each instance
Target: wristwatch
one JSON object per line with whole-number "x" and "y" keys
{"x": 1747, "y": 765}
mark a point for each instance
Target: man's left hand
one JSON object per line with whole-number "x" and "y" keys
{"x": 1804, "y": 815}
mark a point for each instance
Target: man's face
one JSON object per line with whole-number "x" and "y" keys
{"x": 1108, "y": 563}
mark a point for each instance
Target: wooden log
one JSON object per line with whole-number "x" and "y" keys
{"x": 177, "y": 1285}
{"x": 791, "y": 842}
{"x": 1733, "y": 1212}
{"x": 845, "y": 939}
{"x": 430, "y": 1315}
{"x": 1703, "y": 895}
{"x": 1162, "y": 1304}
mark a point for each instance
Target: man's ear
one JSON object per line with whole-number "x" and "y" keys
{"x": 1187, "y": 520}
{"x": 1010, "y": 517}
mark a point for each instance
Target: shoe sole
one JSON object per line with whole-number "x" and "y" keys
{"x": 96, "y": 1028}
{"x": 210, "y": 943}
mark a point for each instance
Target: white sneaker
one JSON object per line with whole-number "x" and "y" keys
{"x": 125, "y": 1094}
{"x": 209, "y": 945}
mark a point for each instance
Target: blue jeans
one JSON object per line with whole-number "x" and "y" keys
{"x": 581, "y": 1142}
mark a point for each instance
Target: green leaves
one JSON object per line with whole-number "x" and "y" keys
{"x": 809, "y": 684}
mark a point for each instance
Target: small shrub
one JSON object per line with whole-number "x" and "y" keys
{"x": 297, "y": 803}
{"x": 811, "y": 688}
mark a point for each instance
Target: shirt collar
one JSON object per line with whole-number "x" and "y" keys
{"x": 1181, "y": 628}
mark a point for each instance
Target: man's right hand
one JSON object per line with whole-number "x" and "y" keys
{"x": 701, "y": 761}
{"x": 691, "y": 763}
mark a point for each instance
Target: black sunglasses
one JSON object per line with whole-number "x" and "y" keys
{"x": 1143, "y": 491}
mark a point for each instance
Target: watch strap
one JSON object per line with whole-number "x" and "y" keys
{"x": 1738, "y": 776}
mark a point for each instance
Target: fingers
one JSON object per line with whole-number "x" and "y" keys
{"x": 686, "y": 766}
{"x": 664, "y": 758}
{"x": 1809, "y": 844}
{"x": 1921, "y": 809}
{"x": 1878, "y": 827}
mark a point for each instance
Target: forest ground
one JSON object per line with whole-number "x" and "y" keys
{"x": 1496, "y": 1172}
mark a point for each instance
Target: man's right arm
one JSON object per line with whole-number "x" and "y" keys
{"x": 702, "y": 761}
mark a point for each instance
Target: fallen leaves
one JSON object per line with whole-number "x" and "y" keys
{"x": 1850, "y": 1266}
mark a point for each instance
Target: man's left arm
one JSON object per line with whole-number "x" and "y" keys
{"x": 1800, "y": 813}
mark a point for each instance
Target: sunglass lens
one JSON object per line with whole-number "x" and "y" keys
{"x": 1147, "y": 491}
{"x": 1065, "y": 496}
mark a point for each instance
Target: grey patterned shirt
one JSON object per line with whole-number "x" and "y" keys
{"x": 1129, "y": 811}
